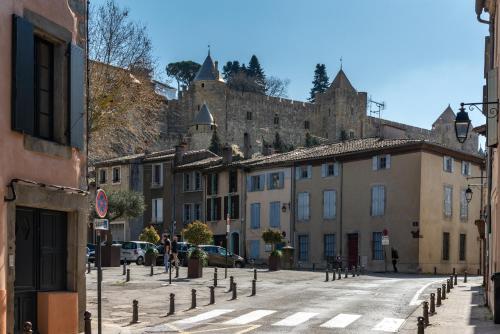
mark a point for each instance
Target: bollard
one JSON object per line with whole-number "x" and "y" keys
{"x": 128, "y": 275}
{"x": 27, "y": 327}
{"x": 455, "y": 279}
{"x": 215, "y": 277}
{"x": 152, "y": 270}
{"x": 420, "y": 325}
{"x": 231, "y": 281}
{"x": 193, "y": 298}
{"x": 88, "y": 322}
{"x": 88, "y": 267}
{"x": 124, "y": 268}
{"x": 327, "y": 278}
{"x": 255, "y": 274}
{"x": 254, "y": 288}
{"x": 448, "y": 286}
{"x": 135, "y": 311}
{"x": 451, "y": 281}
{"x": 358, "y": 268}
{"x": 438, "y": 303}
{"x": 426, "y": 313}
{"x": 340, "y": 273}
{"x": 435, "y": 271}
{"x": 212, "y": 294}
{"x": 176, "y": 271}
{"x": 314, "y": 266}
{"x": 333, "y": 275}
{"x": 345, "y": 273}
{"x": 465, "y": 276}
{"x": 453, "y": 271}
{"x": 443, "y": 292}
{"x": 432, "y": 308}
{"x": 235, "y": 295}
{"x": 172, "y": 304}
{"x": 353, "y": 272}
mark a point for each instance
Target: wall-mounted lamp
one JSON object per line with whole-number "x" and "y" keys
{"x": 462, "y": 120}
{"x": 285, "y": 205}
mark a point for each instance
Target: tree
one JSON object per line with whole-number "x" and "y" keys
{"x": 230, "y": 69}
{"x": 277, "y": 87}
{"x": 149, "y": 234}
{"x": 272, "y": 237}
{"x": 183, "y": 72}
{"x": 197, "y": 233}
{"x": 255, "y": 72}
{"x": 278, "y": 145}
{"x": 215, "y": 144}
{"x": 124, "y": 107}
{"x": 311, "y": 141}
{"x": 320, "y": 81}
{"x": 122, "y": 204}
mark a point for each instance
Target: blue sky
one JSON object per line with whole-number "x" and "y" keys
{"x": 416, "y": 55}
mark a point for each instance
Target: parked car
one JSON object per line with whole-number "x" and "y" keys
{"x": 217, "y": 257}
{"x": 182, "y": 253}
{"x": 134, "y": 251}
{"x": 90, "y": 253}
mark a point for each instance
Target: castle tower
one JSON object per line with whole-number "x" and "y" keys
{"x": 443, "y": 131}
{"x": 202, "y": 129}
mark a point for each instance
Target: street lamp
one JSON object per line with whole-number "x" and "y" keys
{"x": 468, "y": 194}
{"x": 462, "y": 124}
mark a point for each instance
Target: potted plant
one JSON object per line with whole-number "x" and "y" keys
{"x": 149, "y": 234}
{"x": 273, "y": 237}
{"x": 197, "y": 233}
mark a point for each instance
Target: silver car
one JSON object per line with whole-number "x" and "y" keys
{"x": 135, "y": 251}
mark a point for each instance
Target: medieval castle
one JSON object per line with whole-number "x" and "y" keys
{"x": 249, "y": 120}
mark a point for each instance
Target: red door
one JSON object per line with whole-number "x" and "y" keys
{"x": 352, "y": 252}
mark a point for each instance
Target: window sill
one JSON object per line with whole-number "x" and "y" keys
{"x": 47, "y": 147}
{"x": 156, "y": 186}
{"x": 116, "y": 183}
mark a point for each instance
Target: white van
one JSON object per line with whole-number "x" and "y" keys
{"x": 135, "y": 251}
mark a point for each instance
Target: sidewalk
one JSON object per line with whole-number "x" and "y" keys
{"x": 462, "y": 312}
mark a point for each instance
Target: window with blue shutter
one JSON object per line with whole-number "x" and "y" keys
{"x": 77, "y": 87}
{"x": 254, "y": 249}
{"x": 303, "y": 206}
{"x": 329, "y": 245}
{"x": 274, "y": 214}
{"x": 329, "y": 204}
{"x": 255, "y": 215}
{"x": 378, "y": 200}
{"x": 275, "y": 180}
{"x": 303, "y": 248}
{"x": 377, "y": 248}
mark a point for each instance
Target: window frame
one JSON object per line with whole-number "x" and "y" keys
{"x": 275, "y": 208}
{"x": 332, "y": 247}
{"x": 333, "y": 214}
{"x": 303, "y": 249}
{"x": 448, "y": 159}
{"x": 255, "y": 219}
{"x": 445, "y": 256}
{"x": 303, "y": 210}
{"x": 378, "y": 209}
{"x": 377, "y": 247}
{"x": 189, "y": 218}
{"x": 101, "y": 171}
{"x": 38, "y": 40}
{"x": 119, "y": 180}
{"x": 447, "y": 202}
{"x": 155, "y": 173}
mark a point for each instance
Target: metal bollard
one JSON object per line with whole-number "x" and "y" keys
{"x": 176, "y": 271}
{"x": 314, "y": 266}
{"x": 465, "y": 276}
{"x": 340, "y": 273}
{"x": 27, "y": 327}
{"x": 345, "y": 272}
{"x": 193, "y": 298}
{"x": 454, "y": 271}
{"x": 215, "y": 277}
{"x": 172, "y": 304}
{"x": 152, "y": 270}
{"x": 254, "y": 287}
{"x": 438, "y": 303}
{"x": 135, "y": 311}
{"x": 420, "y": 325}
{"x": 255, "y": 274}
{"x": 426, "y": 313}
{"x": 87, "y": 322}
{"x": 353, "y": 272}
{"x": 235, "y": 295}
{"x": 212, "y": 294}
{"x": 333, "y": 275}
{"x": 88, "y": 267}
{"x": 432, "y": 308}
{"x": 127, "y": 279}
{"x": 326, "y": 274}
{"x": 448, "y": 285}
{"x": 124, "y": 268}
{"x": 231, "y": 281}
{"x": 451, "y": 281}
{"x": 456, "y": 279}
{"x": 435, "y": 271}
{"x": 443, "y": 292}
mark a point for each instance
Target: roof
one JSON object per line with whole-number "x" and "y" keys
{"x": 203, "y": 163}
{"x": 341, "y": 81}
{"x": 447, "y": 116}
{"x": 188, "y": 157}
{"x": 204, "y": 117}
{"x": 119, "y": 160}
{"x": 207, "y": 70}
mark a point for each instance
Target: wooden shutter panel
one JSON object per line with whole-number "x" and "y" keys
{"x": 297, "y": 173}
{"x": 262, "y": 181}
{"x": 281, "y": 179}
{"x": 226, "y": 208}
{"x": 309, "y": 171}
{"x": 336, "y": 169}
{"x": 209, "y": 210}
{"x": 387, "y": 161}
{"x": 323, "y": 169}
{"x": 77, "y": 103}
{"x": 375, "y": 163}
{"x": 452, "y": 164}
{"x": 23, "y": 76}
{"x": 249, "y": 183}
{"x": 218, "y": 208}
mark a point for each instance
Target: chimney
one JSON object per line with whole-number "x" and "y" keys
{"x": 227, "y": 154}
{"x": 180, "y": 150}
{"x": 216, "y": 65}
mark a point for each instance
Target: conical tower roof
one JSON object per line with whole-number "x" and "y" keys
{"x": 446, "y": 117}
{"x": 341, "y": 81}
{"x": 207, "y": 70}
{"x": 204, "y": 117}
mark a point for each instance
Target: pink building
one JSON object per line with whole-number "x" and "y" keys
{"x": 43, "y": 198}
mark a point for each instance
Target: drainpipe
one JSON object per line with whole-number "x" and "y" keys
{"x": 292, "y": 208}
{"x": 488, "y": 232}
{"x": 341, "y": 237}
{"x": 174, "y": 206}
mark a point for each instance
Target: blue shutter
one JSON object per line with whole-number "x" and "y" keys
{"x": 77, "y": 88}
{"x": 249, "y": 183}
{"x": 324, "y": 168}
{"x": 262, "y": 181}
{"x": 297, "y": 173}
{"x": 254, "y": 249}
{"x": 23, "y": 76}
{"x": 309, "y": 171}
{"x": 274, "y": 214}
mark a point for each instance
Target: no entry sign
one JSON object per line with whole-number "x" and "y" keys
{"x": 101, "y": 203}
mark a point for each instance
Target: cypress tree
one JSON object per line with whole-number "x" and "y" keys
{"x": 320, "y": 81}
{"x": 256, "y": 73}
{"x": 215, "y": 145}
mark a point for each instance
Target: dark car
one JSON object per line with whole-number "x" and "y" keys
{"x": 182, "y": 251}
{"x": 91, "y": 252}
{"x": 217, "y": 257}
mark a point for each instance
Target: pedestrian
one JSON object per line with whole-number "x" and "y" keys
{"x": 166, "y": 252}
{"x": 175, "y": 252}
{"x": 395, "y": 258}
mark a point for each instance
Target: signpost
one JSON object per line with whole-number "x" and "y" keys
{"x": 228, "y": 221}
{"x": 385, "y": 243}
{"x": 101, "y": 208}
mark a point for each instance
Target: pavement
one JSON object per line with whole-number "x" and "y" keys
{"x": 286, "y": 302}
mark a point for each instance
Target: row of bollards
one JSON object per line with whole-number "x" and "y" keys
{"x": 355, "y": 271}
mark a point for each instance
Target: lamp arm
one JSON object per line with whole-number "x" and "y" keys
{"x": 492, "y": 112}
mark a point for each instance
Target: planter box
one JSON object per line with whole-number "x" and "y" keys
{"x": 110, "y": 256}
{"x": 195, "y": 268}
{"x": 150, "y": 259}
{"x": 274, "y": 263}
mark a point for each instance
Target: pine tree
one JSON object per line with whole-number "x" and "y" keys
{"x": 215, "y": 145}
{"x": 278, "y": 144}
{"x": 320, "y": 81}
{"x": 256, "y": 73}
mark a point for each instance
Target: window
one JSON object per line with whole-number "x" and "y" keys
{"x": 249, "y": 115}
{"x": 329, "y": 245}
{"x": 157, "y": 207}
{"x": 464, "y": 206}
{"x": 234, "y": 207}
{"x": 197, "y": 181}
{"x": 276, "y": 120}
{"x": 116, "y": 174}
{"x": 212, "y": 184}
{"x": 448, "y": 204}
{"x": 446, "y": 246}
{"x": 256, "y": 182}
{"x": 378, "y": 201}
{"x": 330, "y": 169}
{"x": 186, "y": 215}
{"x": 351, "y": 134}
{"x": 381, "y": 162}
{"x": 255, "y": 215}
{"x": 306, "y": 125}
{"x": 213, "y": 209}
{"x": 274, "y": 214}
{"x": 462, "y": 247}
{"x": 465, "y": 168}
{"x": 44, "y": 90}
{"x": 377, "y": 249}
{"x": 197, "y": 211}
{"x": 303, "y": 206}
{"x": 448, "y": 164}
{"x": 102, "y": 176}
{"x": 233, "y": 181}
{"x": 303, "y": 172}
{"x": 254, "y": 249}
{"x": 275, "y": 180}
{"x": 329, "y": 204}
{"x": 187, "y": 181}
{"x": 303, "y": 248}
{"x": 157, "y": 177}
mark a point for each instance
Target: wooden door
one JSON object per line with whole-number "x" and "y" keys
{"x": 352, "y": 249}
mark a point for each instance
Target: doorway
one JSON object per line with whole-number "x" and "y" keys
{"x": 40, "y": 260}
{"x": 235, "y": 243}
{"x": 352, "y": 249}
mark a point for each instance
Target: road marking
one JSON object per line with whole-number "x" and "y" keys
{"x": 203, "y": 316}
{"x": 388, "y": 325}
{"x": 414, "y": 301}
{"x": 341, "y": 321}
{"x": 249, "y": 317}
{"x": 296, "y": 319}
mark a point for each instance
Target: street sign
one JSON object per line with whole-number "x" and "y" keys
{"x": 385, "y": 240}
{"x": 101, "y": 203}
{"x": 101, "y": 224}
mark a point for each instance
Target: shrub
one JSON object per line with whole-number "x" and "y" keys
{"x": 197, "y": 233}
{"x": 149, "y": 234}
{"x": 273, "y": 237}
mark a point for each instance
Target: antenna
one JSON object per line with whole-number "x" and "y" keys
{"x": 380, "y": 106}
{"x": 341, "y": 62}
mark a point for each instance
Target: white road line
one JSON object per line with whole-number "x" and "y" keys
{"x": 341, "y": 321}
{"x": 415, "y": 301}
{"x": 388, "y": 325}
{"x": 296, "y": 319}
{"x": 203, "y": 316}
{"x": 249, "y": 317}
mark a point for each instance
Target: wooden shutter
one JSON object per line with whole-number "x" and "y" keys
{"x": 336, "y": 167}
{"x": 382, "y": 200}
{"x": 334, "y": 204}
{"x": 249, "y": 183}
{"x": 373, "y": 206}
{"x": 375, "y": 163}
{"x": 218, "y": 208}
{"x": 269, "y": 181}
{"x": 297, "y": 172}
{"x": 309, "y": 171}
{"x": 262, "y": 181}
{"x": 452, "y": 164}
{"x": 387, "y": 161}
{"x": 324, "y": 168}
{"x": 77, "y": 93}
{"x": 444, "y": 163}
{"x": 209, "y": 210}
{"x": 281, "y": 179}
{"x": 326, "y": 207}
{"x": 23, "y": 76}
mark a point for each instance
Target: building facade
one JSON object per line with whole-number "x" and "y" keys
{"x": 44, "y": 207}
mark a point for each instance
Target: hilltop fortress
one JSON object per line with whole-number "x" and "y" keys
{"x": 249, "y": 119}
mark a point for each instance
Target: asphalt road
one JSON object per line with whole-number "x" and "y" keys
{"x": 286, "y": 302}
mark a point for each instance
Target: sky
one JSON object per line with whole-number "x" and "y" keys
{"x": 417, "y": 56}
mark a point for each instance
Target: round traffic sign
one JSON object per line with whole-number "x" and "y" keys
{"x": 101, "y": 203}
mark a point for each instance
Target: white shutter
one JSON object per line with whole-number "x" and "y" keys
{"x": 463, "y": 168}
{"x": 324, "y": 168}
{"x": 387, "y": 161}
{"x": 249, "y": 183}
{"x": 153, "y": 210}
{"x": 309, "y": 171}
{"x": 444, "y": 163}
{"x": 375, "y": 163}
{"x": 160, "y": 210}
{"x": 452, "y": 164}
{"x": 334, "y": 204}
{"x": 262, "y": 180}
{"x": 297, "y": 173}
{"x": 336, "y": 167}
{"x": 469, "y": 170}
